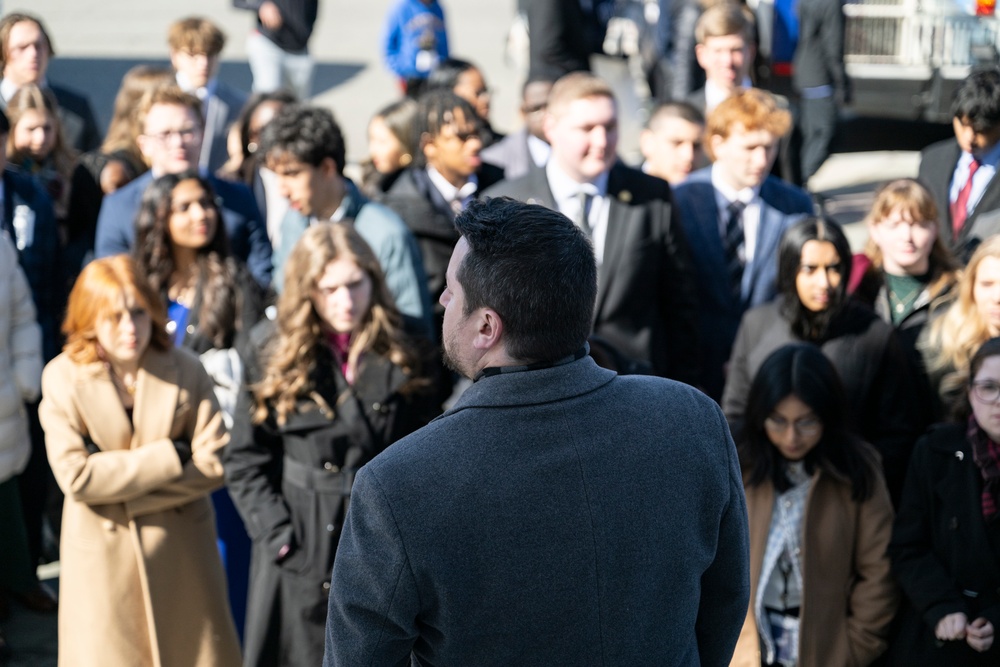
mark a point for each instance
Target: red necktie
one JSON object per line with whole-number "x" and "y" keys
{"x": 960, "y": 207}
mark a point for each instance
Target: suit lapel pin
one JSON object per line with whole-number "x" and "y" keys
{"x": 625, "y": 196}
{"x": 960, "y": 456}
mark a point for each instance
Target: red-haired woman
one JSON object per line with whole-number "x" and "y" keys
{"x": 133, "y": 433}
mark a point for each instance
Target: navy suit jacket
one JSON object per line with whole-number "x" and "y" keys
{"x": 248, "y": 240}
{"x": 719, "y": 311}
{"x": 561, "y": 516}
{"x": 221, "y": 111}
{"x": 937, "y": 167}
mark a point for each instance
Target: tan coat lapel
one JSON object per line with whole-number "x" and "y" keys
{"x": 101, "y": 408}
{"x": 155, "y": 397}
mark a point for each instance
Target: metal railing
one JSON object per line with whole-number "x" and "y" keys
{"x": 899, "y": 32}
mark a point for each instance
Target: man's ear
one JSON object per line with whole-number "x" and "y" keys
{"x": 328, "y": 168}
{"x": 489, "y": 331}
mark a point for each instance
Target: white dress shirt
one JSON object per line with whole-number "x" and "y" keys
{"x": 750, "y": 197}
{"x": 565, "y": 191}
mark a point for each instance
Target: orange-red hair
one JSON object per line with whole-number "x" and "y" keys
{"x": 95, "y": 297}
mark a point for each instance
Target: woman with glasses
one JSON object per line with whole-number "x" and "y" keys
{"x": 814, "y": 261}
{"x": 906, "y": 273}
{"x": 821, "y": 592}
{"x": 338, "y": 382}
{"x": 945, "y": 546}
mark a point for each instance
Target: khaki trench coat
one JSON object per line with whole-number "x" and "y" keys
{"x": 141, "y": 580}
{"x": 849, "y": 597}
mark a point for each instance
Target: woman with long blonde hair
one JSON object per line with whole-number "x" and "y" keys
{"x": 339, "y": 381}
{"x": 970, "y": 321}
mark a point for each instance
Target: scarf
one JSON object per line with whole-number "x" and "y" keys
{"x": 340, "y": 343}
{"x": 986, "y": 454}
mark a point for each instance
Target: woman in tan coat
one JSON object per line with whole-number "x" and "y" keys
{"x": 133, "y": 434}
{"x": 821, "y": 594}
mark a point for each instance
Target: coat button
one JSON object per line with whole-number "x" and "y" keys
{"x": 331, "y": 467}
{"x": 190, "y": 329}
{"x": 330, "y": 527}
{"x": 376, "y": 406}
{"x": 326, "y": 585}
{"x": 109, "y": 525}
{"x": 953, "y": 523}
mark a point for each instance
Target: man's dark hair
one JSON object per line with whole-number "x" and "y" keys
{"x": 436, "y": 109}
{"x": 681, "y": 110}
{"x": 536, "y": 269}
{"x": 4, "y": 123}
{"x": 445, "y": 75}
{"x": 977, "y": 100}
{"x": 306, "y": 133}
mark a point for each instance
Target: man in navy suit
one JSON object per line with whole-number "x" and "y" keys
{"x": 171, "y": 141}
{"x": 195, "y": 45}
{"x": 559, "y": 513}
{"x": 734, "y": 214}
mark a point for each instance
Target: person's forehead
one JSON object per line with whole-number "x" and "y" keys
{"x": 23, "y": 33}
{"x": 739, "y": 134}
{"x": 734, "y": 40}
{"x": 283, "y": 162}
{"x": 169, "y": 117}
{"x": 678, "y": 128}
{"x": 599, "y": 108}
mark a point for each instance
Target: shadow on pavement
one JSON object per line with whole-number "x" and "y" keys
{"x": 32, "y": 637}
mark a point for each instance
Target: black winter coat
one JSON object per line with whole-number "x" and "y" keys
{"x": 944, "y": 555}
{"x": 292, "y": 485}
{"x": 876, "y": 376}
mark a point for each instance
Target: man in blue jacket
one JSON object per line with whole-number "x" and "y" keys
{"x": 558, "y": 514}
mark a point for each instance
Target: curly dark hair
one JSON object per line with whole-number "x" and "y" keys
{"x": 305, "y": 133}
{"x": 218, "y": 299}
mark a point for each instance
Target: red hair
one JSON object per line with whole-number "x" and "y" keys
{"x": 95, "y": 297}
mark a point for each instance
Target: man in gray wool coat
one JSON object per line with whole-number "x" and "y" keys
{"x": 558, "y": 514}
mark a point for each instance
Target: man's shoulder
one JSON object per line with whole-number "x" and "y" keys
{"x": 232, "y": 96}
{"x": 236, "y": 197}
{"x": 70, "y": 99}
{"x": 785, "y": 197}
{"x": 502, "y": 151}
{"x": 381, "y": 221}
{"x": 529, "y": 186}
{"x": 944, "y": 150}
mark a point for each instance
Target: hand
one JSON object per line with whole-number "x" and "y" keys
{"x": 951, "y": 627}
{"x": 979, "y": 634}
{"x": 114, "y": 175}
{"x": 270, "y": 15}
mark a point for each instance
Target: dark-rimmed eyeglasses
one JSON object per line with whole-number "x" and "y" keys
{"x": 986, "y": 391}
{"x": 805, "y": 427}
